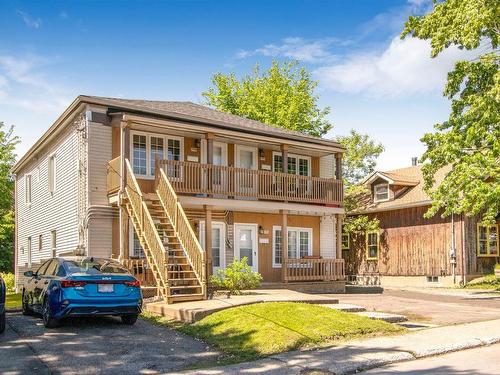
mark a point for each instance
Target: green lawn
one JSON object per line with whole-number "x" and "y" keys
{"x": 486, "y": 282}
{"x": 258, "y": 330}
{"x": 13, "y": 301}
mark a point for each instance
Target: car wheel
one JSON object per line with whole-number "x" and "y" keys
{"x": 26, "y": 309}
{"x": 2, "y": 322}
{"x": 48, "y": 320}
{"x": 129, "y": 319}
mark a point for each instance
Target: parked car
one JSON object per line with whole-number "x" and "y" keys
{"x": 3, "y": 292}
{"x": 81, "y": 286}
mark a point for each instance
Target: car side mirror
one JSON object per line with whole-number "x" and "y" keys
{"x": 29, "y": 274}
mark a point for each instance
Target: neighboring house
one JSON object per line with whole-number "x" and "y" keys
{"x": 410, "y": 250}
{"x": 151, "y": 182}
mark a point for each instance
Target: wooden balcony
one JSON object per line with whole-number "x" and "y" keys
{"x": 230, "y": 182}
{"x": 314, "y": 269}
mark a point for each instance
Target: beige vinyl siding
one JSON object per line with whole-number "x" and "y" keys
{"x": 100, "y": 231}
{"x": 327, "y": 166}
{"x": 327, "y": 242}
{"x": 49, "y": 211}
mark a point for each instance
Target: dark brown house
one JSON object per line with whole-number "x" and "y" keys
{"x": 410, "y": 250}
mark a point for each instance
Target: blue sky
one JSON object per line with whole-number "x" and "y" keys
{"x": 52, "y": 51}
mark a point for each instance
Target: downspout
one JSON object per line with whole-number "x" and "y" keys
{"x": 16, "y": 237}
{"x": 464, "y": 263}
{"x": 121, "y": 216}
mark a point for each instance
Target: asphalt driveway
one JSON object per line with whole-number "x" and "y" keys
{"x": 96, "y": 346}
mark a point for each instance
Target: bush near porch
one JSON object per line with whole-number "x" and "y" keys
{"x": 253, "y": 331}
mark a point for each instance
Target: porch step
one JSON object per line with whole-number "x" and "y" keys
{"x": 185, "y": 297}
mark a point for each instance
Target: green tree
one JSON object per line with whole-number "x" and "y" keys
{"x": 283, "y": 96}
{"x": 8, "y": 143}
{"x": 359, "y": 161}
{"x": 469, "y": 140}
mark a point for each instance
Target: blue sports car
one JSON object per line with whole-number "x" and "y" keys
{"x": 81, "y": 286}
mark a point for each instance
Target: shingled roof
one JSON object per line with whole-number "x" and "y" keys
{"x": 412, "y": 194}
{"x": 191, "y": 111}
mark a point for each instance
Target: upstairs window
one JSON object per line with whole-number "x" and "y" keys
{"x": 27, "y": 188}
{"x": 487, "y": 241}
{"x": 345, "y": 241}
{"x": 52, "y": 173}
{"x": 298, "y": 165}
{"x": 372, "y": 245}
{"x": 381, "y": 193}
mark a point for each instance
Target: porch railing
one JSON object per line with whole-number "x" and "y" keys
{"x": 210, "y": 179}
{"x": 314, "y": 269}
{"x": 113, "y": 175}
{"x": 141, "y": 270}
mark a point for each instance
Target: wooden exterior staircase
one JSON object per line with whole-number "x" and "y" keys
{"x": 170, "y": 245}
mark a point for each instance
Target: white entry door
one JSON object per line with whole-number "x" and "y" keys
{"x": 218, "y": 244}
{"x": 219, "y": 177}
{"x": 246, "y": 181}
{"x": 246, "y": 245}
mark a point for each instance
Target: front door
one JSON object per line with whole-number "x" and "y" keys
{"x": 245, "y": 177}
{"x": 245, "y": 236}
{"x": 218, "y": 244}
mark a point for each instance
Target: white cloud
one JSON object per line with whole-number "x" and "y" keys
{"x": 311, "y": 51}
{"x": 29, "y": 20}
{"x": 22, "y": 85}
{"x": 404, "y": 68}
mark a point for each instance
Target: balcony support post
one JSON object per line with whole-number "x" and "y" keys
{"x": 284, "y": 158}
{"x": 210, "y": 160}
{"x": 284, "y": 244}
{"x": 208, "y": 241}
{"x": 123, "y": 216}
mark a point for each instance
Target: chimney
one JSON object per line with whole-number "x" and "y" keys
{"x": 414, "y": 161}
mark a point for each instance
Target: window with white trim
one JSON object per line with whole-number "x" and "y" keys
{"x": 137, "y": 250}
{"x": 346, "y": 239}
{"x": 299, "y": 244}
{"x": 381, "y": 192}
{"x": 487, "y": 241}
{"x": 52, "y": 173}
{"x": 297, "y": 164}
{"x": 372, "y": 244}
{"x": 27, "y": 188}
{"x": 146, "y": 148}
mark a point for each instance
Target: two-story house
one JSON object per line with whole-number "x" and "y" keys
{"x": 409, "y": 249}
{"x": 152, "y": 182}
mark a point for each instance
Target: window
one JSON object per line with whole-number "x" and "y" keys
{"x": 137, "y": 250}
{"x": 487, "y": 240}
{"x": 372, "y": 244}
{"x": 53, "y": 242}
{"x": 29, "y": 251}
{"x": 27, "y": 188}
{"x": 299, "y": 244}
{"x": 146, "y": 148}
{"x": 381, "y": 193}
{"x": 40, "y": 242}
{"x": 346, "y": 239}
{"x": 52, "y": 173}
{"x": 299, "y": 165}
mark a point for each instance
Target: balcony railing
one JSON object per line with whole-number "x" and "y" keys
{"x": 222, "y": 181}
{"x": 314, "y": 269}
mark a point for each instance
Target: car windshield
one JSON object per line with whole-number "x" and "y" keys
{"x": 94, "y": 266}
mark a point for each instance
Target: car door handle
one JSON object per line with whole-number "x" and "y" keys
{"x": 46, "y": 282}
{"x": 36, "y": 282}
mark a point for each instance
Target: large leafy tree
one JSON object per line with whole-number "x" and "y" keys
{"x": 8, "y": 143}
{"x": 358, "y": 162}
{"x": 283, "y": 96}
{"x": 469, "y": 141}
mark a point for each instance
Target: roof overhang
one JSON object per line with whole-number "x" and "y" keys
{"x": 389, "y": 208}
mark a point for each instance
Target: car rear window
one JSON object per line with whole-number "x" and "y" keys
{"x": 94, "y": 266}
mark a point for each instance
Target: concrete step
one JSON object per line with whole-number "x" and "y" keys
{"x": 415, "y": 326}
{"x": 346, "y": 307}
{"x": 386, "y": 317}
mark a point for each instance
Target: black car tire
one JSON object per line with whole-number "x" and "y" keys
{"x": 129, "y": 319}
{"x": 2, "y": 322}
{"x": 26, "y": 309}
{"x": 48, "y": 320}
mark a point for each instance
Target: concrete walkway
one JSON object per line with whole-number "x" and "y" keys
{"x": 366, "y": 354}
{"x": 196, "y": 310}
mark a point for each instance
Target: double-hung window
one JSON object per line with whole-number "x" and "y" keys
{"x": 345, "y": 241}
{"x": 487, "y": 241}
{"x": 372, "y": 244}
{"x": 147, "y": 148}
{"x": 381, "y": 193}
{"x": 299, "y": 244}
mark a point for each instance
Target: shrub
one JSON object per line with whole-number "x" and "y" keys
{"x": 9, "y": 281}
{"x": 497, "y": 266}
{"x": 236, "y": 277}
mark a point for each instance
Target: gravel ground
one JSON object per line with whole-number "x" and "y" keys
{"x": 97, "y": 346}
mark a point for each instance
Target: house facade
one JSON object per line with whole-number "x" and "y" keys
{"x": 409, "y": 249}
{"x": 150, "y": 183}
